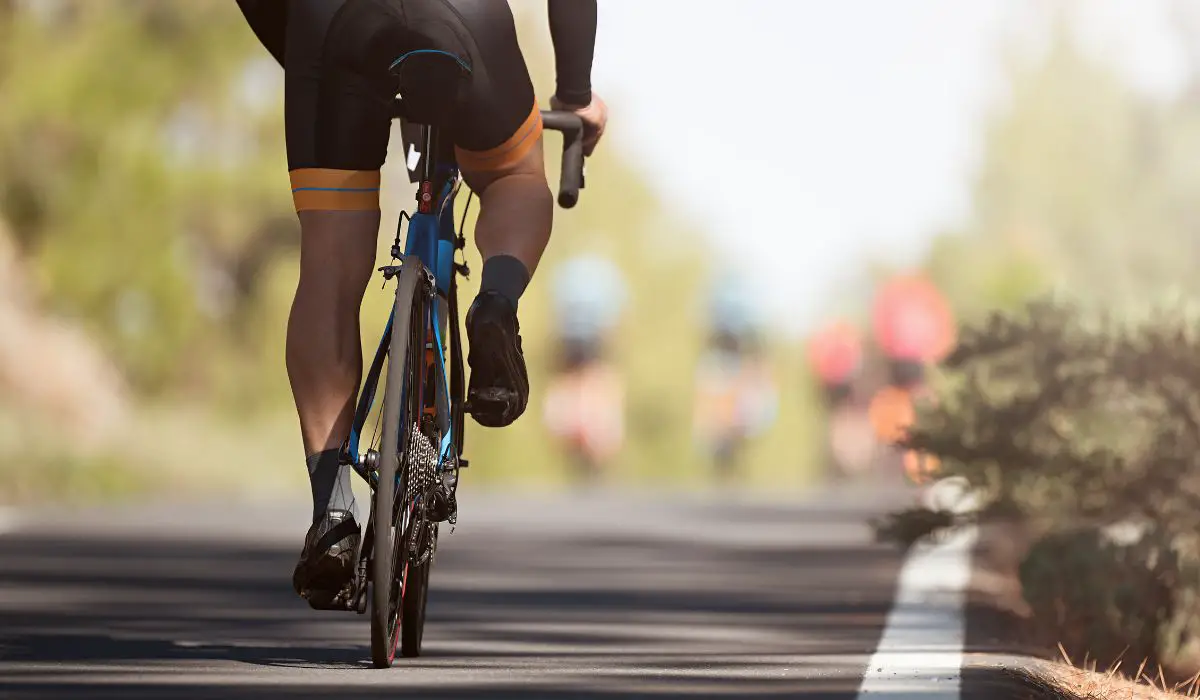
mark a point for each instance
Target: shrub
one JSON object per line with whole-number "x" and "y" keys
{"x": 1081, "y": 422}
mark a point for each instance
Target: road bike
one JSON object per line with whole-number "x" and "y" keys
{"x": 413, "y": 456}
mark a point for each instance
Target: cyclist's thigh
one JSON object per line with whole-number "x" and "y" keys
{"x": 495, "y": 122}
{"x": 337, "y": 118}
{"x": 498, "y": 122}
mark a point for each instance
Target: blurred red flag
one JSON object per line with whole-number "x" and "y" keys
{"x": 835, "y": 352}
{"x": 913, "y": 320}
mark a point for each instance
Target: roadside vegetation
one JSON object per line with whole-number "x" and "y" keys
{"x": 1071, "y": 405}
{"x": 1084, "y": 430}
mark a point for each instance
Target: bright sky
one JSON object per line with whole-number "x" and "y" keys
{"x": 861, "y": 114}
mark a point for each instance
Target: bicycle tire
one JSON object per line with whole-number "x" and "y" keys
{"x": 386, "y": 603}
{"x": 412, "y": 619}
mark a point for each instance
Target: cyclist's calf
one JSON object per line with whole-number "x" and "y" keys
{"x": 516, "y": 205}
{"x": 324, "y": 351}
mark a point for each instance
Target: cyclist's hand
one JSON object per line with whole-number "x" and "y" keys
{"x": 594, "y": 116}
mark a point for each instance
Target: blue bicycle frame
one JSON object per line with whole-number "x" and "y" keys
{"x": 432, "y": 240}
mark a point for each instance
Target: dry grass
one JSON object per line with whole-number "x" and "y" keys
{"x": 1084, "y": 681}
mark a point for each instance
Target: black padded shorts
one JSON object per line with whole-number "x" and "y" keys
{"x": 456, "y": 63}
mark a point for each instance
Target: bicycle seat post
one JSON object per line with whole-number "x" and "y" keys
{"x": 426, "y": 197}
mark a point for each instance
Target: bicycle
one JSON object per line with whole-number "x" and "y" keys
{"x": 414, "y": 457}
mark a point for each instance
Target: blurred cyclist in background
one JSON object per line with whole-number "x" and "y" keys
{"x": 585, "y": 401}
{"x": 835, "y": 355}
{"x": 735, "y": 391}
{"x": 915, "y": 328}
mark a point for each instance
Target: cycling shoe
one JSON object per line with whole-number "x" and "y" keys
{"x": 327, "y": 562}
{"x": 499, "y": 388}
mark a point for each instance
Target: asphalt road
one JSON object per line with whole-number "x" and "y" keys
{"x": 584, "y": 596}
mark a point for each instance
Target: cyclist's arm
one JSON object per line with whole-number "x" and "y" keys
{"x": 573, "y": 31}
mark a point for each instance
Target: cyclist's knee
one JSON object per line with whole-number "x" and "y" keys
{"x": 338, "y": 247}
{"x": 519, "y": 155}
{"x": 480, "y": 174}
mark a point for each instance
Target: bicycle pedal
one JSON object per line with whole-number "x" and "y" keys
{"x": 343, "y": 600}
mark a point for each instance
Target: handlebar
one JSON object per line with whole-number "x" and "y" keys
{"x": 571, "y": 177}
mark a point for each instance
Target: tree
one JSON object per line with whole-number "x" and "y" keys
{"x": 134, "y": 170}
{"x": 1084, "y": 184}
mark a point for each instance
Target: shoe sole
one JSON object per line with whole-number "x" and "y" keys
{"x": 320, "y": 581}
{"x": 494, "y": 354}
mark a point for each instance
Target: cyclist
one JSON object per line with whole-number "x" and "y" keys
{"x": 913, "y": 325}
{"x": 735, "y": 392}
{"x": 584, "y": 404}
{"x": 836, "y": 355}
{"x": 340, "y": 87}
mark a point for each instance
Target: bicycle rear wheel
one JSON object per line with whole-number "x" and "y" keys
{"x": 412, "y": 620}
{"x": 391, "y": 575}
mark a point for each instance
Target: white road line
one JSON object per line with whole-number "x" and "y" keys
{"x": 920, "y": 654}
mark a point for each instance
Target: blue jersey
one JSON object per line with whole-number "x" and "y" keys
{"x": 589, "y": 295}
{"x": 733, "y": 307}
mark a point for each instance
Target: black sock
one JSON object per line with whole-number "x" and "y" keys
{"x": 506, "y": 276}
{"x": 330, "y": 482}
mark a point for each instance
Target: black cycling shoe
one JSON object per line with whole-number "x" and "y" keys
{"x": 499, "y": 387}
{"x": 326, "y": 565}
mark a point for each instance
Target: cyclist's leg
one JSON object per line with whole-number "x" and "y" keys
{"x": 496, "y": 127}
{"x": 337, "y": 124}
{"x": 498, "y": 134}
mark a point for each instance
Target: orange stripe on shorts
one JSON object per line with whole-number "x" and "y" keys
{"x": 509, "y": 153}
{"x": 335, "y": 190}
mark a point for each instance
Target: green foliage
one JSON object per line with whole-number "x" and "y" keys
{"x": 1083, "y": 185}
{"x": 1074, "y": 416}
{"x": 1101, "y": 599}
{"x": 131, "y": 226}
{"x": 35, "y": 460}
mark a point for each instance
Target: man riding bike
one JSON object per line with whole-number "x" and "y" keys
{"x": 585, "y": 402}
{"x": 735, "y": 397}
{"x": 338, "y": 58}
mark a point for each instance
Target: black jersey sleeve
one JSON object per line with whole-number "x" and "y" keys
{"x": 573, "y": 31}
